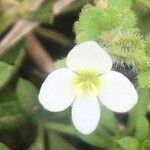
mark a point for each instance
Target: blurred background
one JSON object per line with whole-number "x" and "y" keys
{"x": 34, "y": 34}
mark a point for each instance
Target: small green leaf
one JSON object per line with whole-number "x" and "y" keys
{"x": 142, "y": 128}
{"x": 144, "y": 78}
{"x": 12, "y": 121}
{"x": 128, "y": 143}
{"x": 27, "y": 95}
{"x": 5, "y": 20}
{"x": 108, "y": 120}
{"x": 147, "y": 47}
{"x": 39, "y": 141}
{"x": 56, "y": 142}
{"x": 3, "y": 147}
{"x": 11, "y": 115}
{"x": 7, "y": 94}
{"x": 146, "y": 144}
{"x": 12, "y": 54}
{"x": 93, "y": 21}
{"x": 141, "y": 107}
{"x": 2, "y": 20}
{"x": 5, "y": 73}
{"x": 9, "y": 63}
{"x": 99, "y": 139}
{"x": 129, "y": 19}
{"x": 9, "y": 108}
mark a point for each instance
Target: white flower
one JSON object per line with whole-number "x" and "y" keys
{"x": 86, "y": 82}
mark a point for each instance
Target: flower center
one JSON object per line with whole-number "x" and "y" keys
{"x": 87, "y": 81}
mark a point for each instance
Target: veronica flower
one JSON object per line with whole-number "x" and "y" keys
{"x": 86, "y": 84}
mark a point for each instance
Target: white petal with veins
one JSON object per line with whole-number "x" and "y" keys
{"x": 57, "y": 91}
{"x": 89, "y": 55}
{"x": 85, "y": 113}
{"x": 117, "y": 92}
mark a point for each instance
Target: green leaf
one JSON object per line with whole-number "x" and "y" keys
{"x": 9, "y": 64}
{"x": 11, "y": 115}
{"x": 146, "y": 144}
{"x": 56, "y": 142}
{"x": 7, "y": 94}
{"x": 12, "y": 121}
{"x": 142, "y": 7}
{"x": 144, "y": 78}
{"x": 39, "y": 141}
{"x": 142, "y": 128}
{"x": 141, "y": 107}
{"x": 12, "y": 54}
{"x": 27, "y": 95}
{"x": 5, "y": 19}
{"x": 108, "y": 120}
{"x": 118, "y": 42}
{"x": 98, "y": 138}
{"x": 9, "y": 108}
{"x": 3, "y": 147}
{"x": 128, "y": 20}
{"x": 5, "y": 73}
{"x": 2, "y": 20}
{"x": 93, "y": 21}
{"x": 128, "y": 143}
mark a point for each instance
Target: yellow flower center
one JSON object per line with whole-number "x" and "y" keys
{"x": 87, "y": 81}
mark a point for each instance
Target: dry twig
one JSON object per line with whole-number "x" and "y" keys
{"x": 19, "y": 30}
{"x": 38, "y": 54}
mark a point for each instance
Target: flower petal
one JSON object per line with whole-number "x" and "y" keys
{"x": 85, "y": 113}
{"x": 117, "y": 93}
{"x": 56, "y": 93}
{"x": 89, "y": 55}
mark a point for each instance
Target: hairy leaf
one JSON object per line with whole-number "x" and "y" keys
{"x": 144, "y": 78}
{"x": 142, "y": 128}
{"x": 141, "y": 107}
{"x": 128, "y": 143}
